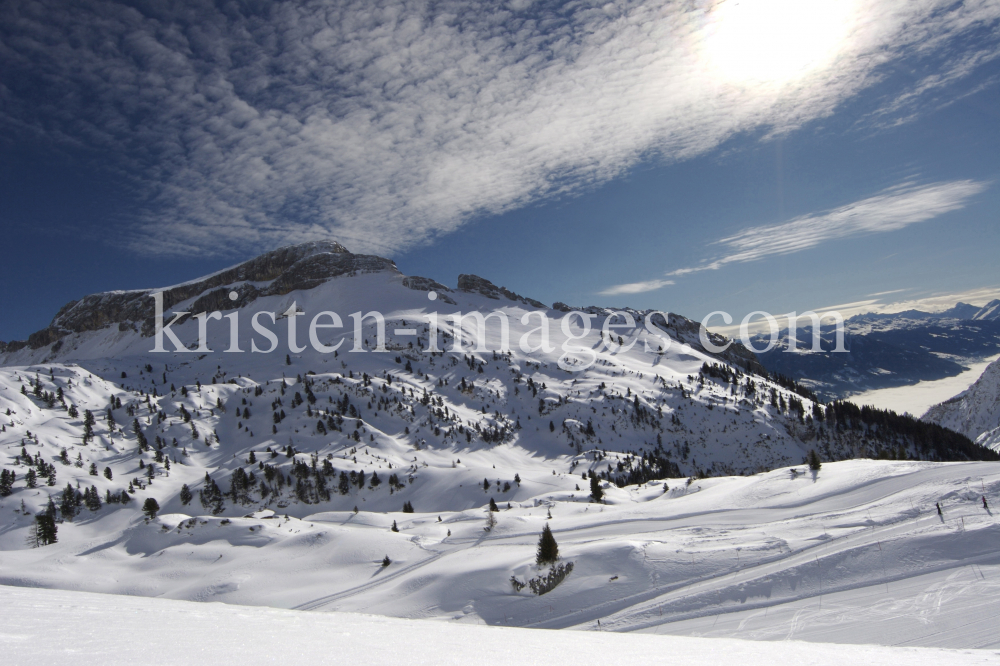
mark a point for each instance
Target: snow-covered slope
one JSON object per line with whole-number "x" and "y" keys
{"x": 178, "y": 632}
{"x": 860, "y": 539}
{"x": 279, "y": 477}
{"x": 974, "y": 412}
{"x": 989, "y": 312}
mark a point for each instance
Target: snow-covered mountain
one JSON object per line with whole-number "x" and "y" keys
{"x": 658, "y": 406}
{"x": 989, "y": 312}
{"x": 974, "y": 412}
{"x": 890, "y": 350}
{"x": 282, "y": 477}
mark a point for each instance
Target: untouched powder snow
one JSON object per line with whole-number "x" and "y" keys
{"x": 55, "y": 627}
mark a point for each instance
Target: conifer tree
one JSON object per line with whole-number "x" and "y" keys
{"x": 44, "y": 530}
{"x": 394, "y": 528}
{"x": 88, "y": 426}
{"x": 92, "y": 499}
{"x": 596, "y": 492}
{"x": 6, "y": 483}
{"x": 150, "y": 507}
{"x": 68, "y": 503}
{"x": 548, "y": 549}
{"x": 493, "y": 505}
{"x": 813, "y": 460}
{"x": 185, "y": 495}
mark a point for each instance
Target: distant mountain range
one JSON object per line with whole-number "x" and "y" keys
{"x": 890, "y": 350}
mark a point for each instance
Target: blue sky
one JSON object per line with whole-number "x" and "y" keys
{"x": 693, "y": 156}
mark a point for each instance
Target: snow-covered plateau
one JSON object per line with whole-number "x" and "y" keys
{"x": 361, "y": 482}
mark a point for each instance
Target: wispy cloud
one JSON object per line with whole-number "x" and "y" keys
{"x": 635, "y": 287}
{"x": 891, "y": 291}
{"x": 890, "y": 210}
{"x": 931, "y": 302}
{"x": 386, "y": 124}
{"x": 941, "y": 301}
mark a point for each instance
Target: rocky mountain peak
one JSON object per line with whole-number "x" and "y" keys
{"x": 285, "y": 269}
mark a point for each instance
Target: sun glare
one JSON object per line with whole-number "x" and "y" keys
{"x": 775, "y": 41}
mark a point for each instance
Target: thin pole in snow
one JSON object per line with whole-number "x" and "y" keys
{"x": 820, "y": 582}
{"x": 885, "y": 576}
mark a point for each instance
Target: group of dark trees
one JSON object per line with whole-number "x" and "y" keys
{"x": 843, "y": 429}
{"x": 887, "y": 431}
{"x": 634, "y": 469}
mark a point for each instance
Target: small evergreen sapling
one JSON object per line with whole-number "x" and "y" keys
{"x": 548, "y": 549}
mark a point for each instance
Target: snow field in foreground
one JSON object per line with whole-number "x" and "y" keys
{"x": 58, "y": 627}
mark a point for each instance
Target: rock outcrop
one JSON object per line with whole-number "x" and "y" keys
{"x": 476, "y": 285}
{"x": 286, "y": 269}
{"x": 418, "y": 283}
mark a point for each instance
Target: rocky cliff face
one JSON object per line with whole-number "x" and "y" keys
{"x": 477, "y": 285}
{"x": 284, "y": 270}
